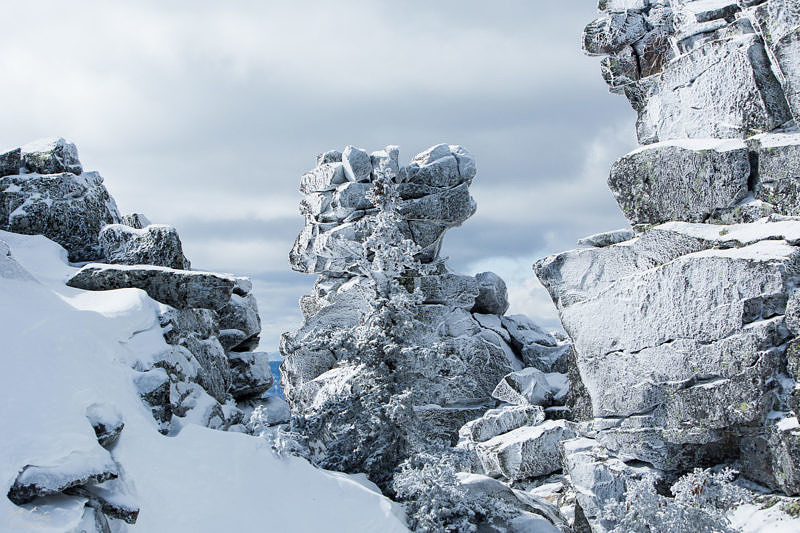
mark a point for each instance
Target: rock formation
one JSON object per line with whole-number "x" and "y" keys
{"x": 683, "y": 332}
{"x": 455, "y": 351}
{"x": 209, "y": 321}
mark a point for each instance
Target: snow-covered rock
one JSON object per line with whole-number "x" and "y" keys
{"x": 435, "y": 197}
{"x": 495, "y": 422}
{"x": 68, "y": 208}
{"x": 251, "y": 373}
{"x": 531, "y": 386}
{"x": 156, "y": 244}
{"x": 529, "y": 451}
{"x": 91, "y": 344}
{"x": 696, "y": 69}
{"x": 607, "y": 238}
{"x": 177, "y": 288}
{"x": 492, "y": 294}
{"x": 778, "y": 157}
{"x": 683, "y": 180}
{"x": 50, "y": 156}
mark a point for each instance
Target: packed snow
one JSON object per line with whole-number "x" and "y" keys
{"x": 67, "y": 350}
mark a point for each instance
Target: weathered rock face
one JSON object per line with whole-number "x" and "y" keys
{"x": 157, "y": 245}
{"x": 67, "y": 208}
{"x": 695, "y": 69}
{"x": 683, "y": 180}
{"x": 457, "y": 349}
{"x": 435, "y": 197}
{"x": 679, "y": 335}
{"x": 178, "y": 288}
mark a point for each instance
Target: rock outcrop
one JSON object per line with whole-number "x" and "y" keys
{"x": 209, "y": 322}
{"x": 683, "y": 331}
{"x": 458, "y": 345}
{"x": 697, "y": 69}
{"x": 44, "y": 191}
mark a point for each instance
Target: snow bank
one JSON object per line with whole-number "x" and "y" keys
{"x": 65, "y": 350}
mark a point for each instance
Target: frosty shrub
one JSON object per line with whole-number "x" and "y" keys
{"x": 428, "y": 487}
{"x": 701, "y": 501}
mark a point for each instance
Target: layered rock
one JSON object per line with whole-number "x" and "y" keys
{"x": 153, "y": 244}
{"x": 457, "y": 346}
{"x": 684, "y": 332}
{"x": 44, "y": 191}
{"x": 435, "y": 197}
{"x": 696, "y": 69}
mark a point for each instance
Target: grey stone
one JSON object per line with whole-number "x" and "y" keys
{"x": 448, "y": 289}
{"x": 240, "y": 314}
{"x": 51, "y": 156}
{"x": 157, "y": 245}
{"x": 683, "y": 180}
{"x": 492, "y": 294}
{"x": 106, "y": 422}
{"x": 524, "y": 332}
{"x": 136, "y": 220}
{"x": 495, "y": 422}
{"x": 65, "y": 208}
{"x": 611, "y": 33}
{"x": 75, "y": 469}
{"x": 357, "y": 164}
{"x": 778, "y": 173}
{"x": 531, "y": 386}
{"x": 598, "y": 478}
{"x": 607, "y": 238}
{"x": 325, "y": 177}
{"x": 177, "y": 288}
{"x": 251, "y": 373}
{"x": 526, "y": 452}
{"x": 10, "y": 162}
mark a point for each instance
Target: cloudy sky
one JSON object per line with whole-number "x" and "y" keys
{"x": 204, "y": 115}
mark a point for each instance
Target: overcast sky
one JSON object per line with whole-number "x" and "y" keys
{"x": 204, "y": 115}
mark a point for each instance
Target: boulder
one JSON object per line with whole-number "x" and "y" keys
{"x": 157, "y": 245}
{"x": 681, "y": 328}
{"x": 531, "y": 386}
{"x": 357, "y": 164}
{"x": 598, "y": 478}
{"x": 136, "y": 220}
{"x": 680, "y": 180}
{"x": 240, "y": 314}
{"x": 495, "y": 422}
{"x": 80, "y": 467}
{"x": 251, "y": 374}
{"x": 526, "y": 452}
{"x": 50, "y": 156}
{"x": 66, "y": 208}
{"x": 492, "y": 294}
{"x": 607, "y": 238}
{"x": 106, "y": 422}
{"x": 448, "y": 289}
{"x": 178, "y": 288}
{"x": 11, "y": 162}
